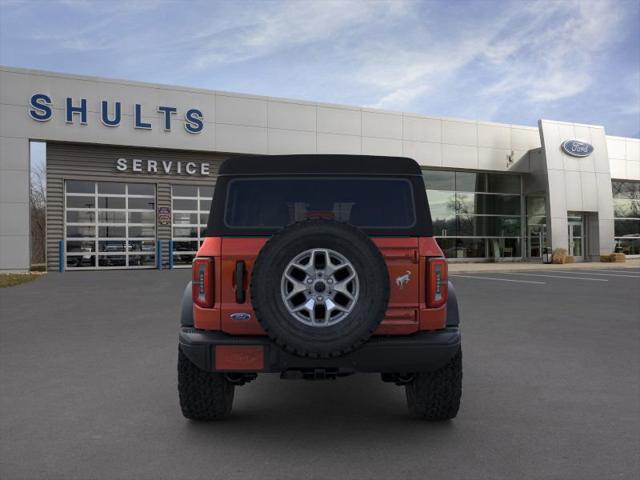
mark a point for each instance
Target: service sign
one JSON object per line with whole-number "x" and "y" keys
{"x": 163, "y": 167}
{"x": 577, "y": 148}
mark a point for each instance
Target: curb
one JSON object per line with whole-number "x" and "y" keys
{"x": 533, "y": 267}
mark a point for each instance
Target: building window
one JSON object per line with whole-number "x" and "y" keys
{"x": 475, "y": 215}
{"x": 191, "y": 205}
{"x": 626, "y": 212}
{"x": 109, "y": 225}
{"x": 536, "y": 225}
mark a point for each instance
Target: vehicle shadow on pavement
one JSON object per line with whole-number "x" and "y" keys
{"x": 360, "y": 407}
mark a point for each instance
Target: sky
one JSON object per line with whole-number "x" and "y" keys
{"x": 502, "y": 61}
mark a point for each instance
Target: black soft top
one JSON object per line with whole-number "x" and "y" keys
{"x": 236, "y": 168}
{"x": 319, "y": 164}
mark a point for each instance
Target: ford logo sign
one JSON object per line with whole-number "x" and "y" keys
{"x": 577, "y": 148}
{"x": 240, "y": 316}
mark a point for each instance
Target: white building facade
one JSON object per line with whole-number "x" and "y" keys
{"x": 130, "y": 169}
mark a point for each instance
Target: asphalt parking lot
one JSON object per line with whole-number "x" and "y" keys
{"x": 551, "y": 390}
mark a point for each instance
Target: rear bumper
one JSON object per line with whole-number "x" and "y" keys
{"x": 424, "y": 351}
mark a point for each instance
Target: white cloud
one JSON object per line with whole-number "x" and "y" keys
{"x": 550, "y": 59}
{"x": 401, "y": 96}
{"x": 539, "y": 51}
{"x": 404, "y": 75}
{"x": 451, "y": 58}
{"x": 262, "y": 32}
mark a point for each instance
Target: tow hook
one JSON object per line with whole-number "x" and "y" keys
{"x": 240, "y": 378}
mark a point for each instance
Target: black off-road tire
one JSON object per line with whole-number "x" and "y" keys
{"x": 203, "y": 395}
{"x": 310, "y": 341}
{"x": 436, "y": 395}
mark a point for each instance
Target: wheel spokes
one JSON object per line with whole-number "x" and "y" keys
{"x": 331, "y": 306}
{"x": 308, "y": 306}
{"x": 319, "y": 287}
{"x": 343, "y": 287}
{"x": 296, "y": 288}
{"x": 306, "y": 269}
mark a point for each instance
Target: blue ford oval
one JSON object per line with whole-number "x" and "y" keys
{"x": 577, "y": 148}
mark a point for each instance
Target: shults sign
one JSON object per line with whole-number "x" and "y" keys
{"x": 110, "y": 113}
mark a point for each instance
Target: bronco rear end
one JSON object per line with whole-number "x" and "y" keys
{"x": 315, "y": 267}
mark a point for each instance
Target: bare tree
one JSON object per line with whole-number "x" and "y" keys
{"x": 37, "y": 207}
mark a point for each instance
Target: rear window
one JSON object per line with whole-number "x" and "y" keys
{"x": 363, "y": 202}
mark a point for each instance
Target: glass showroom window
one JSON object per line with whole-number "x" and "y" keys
{"x": 109, "y": 224}
{"x": 475, "y": 215}
{"x": 626, "y": 212}
{"x": 536, "y": 225}
{"x": 191, "y": 205}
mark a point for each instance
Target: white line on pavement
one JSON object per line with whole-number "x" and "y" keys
{"x": 555, "y": 276}
{"x": 603, "y": 274}
{"x": 498, "y": 279}
{"x": 620, "y": 269}
{"x": 629, "y": 271}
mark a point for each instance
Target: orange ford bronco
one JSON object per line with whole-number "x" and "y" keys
{"x": 316, "y": 267}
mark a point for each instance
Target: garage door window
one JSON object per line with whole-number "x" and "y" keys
{"x": 109, "y": 225}
{"x": 191, "y": 205}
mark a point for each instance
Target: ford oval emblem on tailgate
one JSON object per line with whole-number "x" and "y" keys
{"x": 241, "y": 316}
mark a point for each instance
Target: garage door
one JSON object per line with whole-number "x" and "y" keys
{"x": 109, "y": 225}
{"x": 191, "y": 206}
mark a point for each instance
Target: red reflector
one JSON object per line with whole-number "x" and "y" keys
{"x": 247, "y": 357}
{"x": 202, "y": 282}
{"x": 437, "y": 282}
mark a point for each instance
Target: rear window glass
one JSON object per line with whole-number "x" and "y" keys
{"x": 277, "y": 202}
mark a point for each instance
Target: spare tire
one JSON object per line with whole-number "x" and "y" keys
{"x": 320, "y": 288}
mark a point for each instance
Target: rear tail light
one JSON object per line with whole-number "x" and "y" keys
{"x": 437, "y": 282}
{"x": 202, "y": 282}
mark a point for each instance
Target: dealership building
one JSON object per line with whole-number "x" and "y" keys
{"x": 130, "y": 169}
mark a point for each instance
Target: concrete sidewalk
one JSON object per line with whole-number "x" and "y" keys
{"x": 524, "y": 266}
